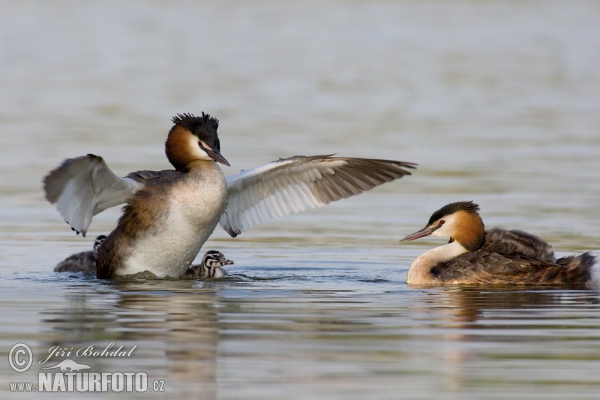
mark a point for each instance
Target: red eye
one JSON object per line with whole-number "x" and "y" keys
{"x": 442, "y": 222}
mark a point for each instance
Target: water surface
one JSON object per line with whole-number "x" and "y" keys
{"x": 496, "y": 101}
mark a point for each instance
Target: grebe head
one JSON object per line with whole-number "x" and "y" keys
{"x": 215, "y": 259}
{"x": 193, "y": 138}
{"x": 460, "y": 221}
{"x": 98, "y": 242}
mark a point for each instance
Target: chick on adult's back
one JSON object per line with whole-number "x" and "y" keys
{"x": 498, "y": 256}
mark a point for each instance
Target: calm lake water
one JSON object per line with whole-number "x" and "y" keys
{"x": 497, "y": 101}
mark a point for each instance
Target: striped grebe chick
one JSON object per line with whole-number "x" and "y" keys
{"x": 170, "y": 214}
{"x": 498, "y": 256}
{"x": 82, "y": 262}
{"x": 211, "y": 266}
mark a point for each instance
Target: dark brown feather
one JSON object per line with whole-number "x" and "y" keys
{"x": 148, "y": 205}
{"x": 485, "y": 266}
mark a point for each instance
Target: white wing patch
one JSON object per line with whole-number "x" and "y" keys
{"x": 298, "y": 183}
{"x": 83, "y": 187}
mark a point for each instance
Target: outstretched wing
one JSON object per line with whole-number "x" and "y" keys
{"x": 297, "y": 183}
{"x": 83, "y": 187}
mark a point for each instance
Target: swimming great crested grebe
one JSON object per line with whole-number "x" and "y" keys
{"x": 170, "y": 214}
{"x": 82, "y": 262}
{"x": 498, "y": 256}
{"x": 211, "y": 266}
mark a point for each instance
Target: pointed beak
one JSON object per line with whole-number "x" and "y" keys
{"x": 225, "y": 261}
{"x": 215, "y": 155}
{"x": 428, "y": 230}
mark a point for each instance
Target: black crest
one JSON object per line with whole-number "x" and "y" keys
{"x": 193, "y": 123}
{"x": 451, "y": 208}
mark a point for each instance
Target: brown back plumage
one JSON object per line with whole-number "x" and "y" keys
{"x": 140, "y": 214}
{"x": 516, "y": 258}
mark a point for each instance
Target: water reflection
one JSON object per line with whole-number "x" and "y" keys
{"x": 476, "y": 332}
{"x": 472, "y": 306}
{"x": 174, "y": 325}
{"x": 193, "y": 334}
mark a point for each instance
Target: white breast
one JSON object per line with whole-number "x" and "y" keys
{"x": 172, "y": 244}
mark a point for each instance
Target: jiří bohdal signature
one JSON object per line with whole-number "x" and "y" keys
{"x": 91, "y": 351}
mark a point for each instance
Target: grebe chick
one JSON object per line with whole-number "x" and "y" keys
{"x": 170, "y": 214}
{"x": 82, "y": 262}
{"x": 498, "y": 257}
{"x": 211, "y": 266}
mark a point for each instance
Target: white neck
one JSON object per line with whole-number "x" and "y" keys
{"x": 419, "y": 272}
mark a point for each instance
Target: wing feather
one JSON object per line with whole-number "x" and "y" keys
{"x": 85, "y": 186}
{"x": 298, "y": 183}
{"x": 276, "y": 211}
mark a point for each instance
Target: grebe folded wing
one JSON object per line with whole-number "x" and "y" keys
{"x": 518, "y": 242}
{"x": 294, "y": 184}
{"x": 85, "y": 186}
{"x": 483, "y": 267}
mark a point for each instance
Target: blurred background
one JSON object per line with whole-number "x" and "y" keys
{"x": 497, "y": 101}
